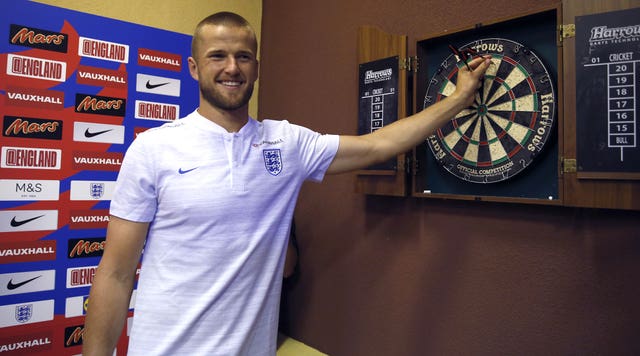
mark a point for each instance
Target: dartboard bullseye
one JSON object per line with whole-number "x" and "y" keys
{"x": 508, "y": 124}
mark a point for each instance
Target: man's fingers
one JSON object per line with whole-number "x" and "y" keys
{"x": 480, "y": 65}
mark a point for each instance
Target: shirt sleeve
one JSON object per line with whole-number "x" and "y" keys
{"x": 317, "y": 151}
{"x": 134, "y": 197}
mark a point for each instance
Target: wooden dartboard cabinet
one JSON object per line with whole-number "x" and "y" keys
{"x": 539, "y": 49}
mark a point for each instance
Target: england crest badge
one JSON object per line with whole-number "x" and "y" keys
{"x": 24, "y": 313}
{"x": 96, "y": 190}
{"x": 272, "y": 161}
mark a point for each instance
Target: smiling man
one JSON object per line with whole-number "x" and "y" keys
{"x": 211, "y": 198}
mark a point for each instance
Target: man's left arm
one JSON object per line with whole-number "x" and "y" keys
{"x": 357, "y": 152}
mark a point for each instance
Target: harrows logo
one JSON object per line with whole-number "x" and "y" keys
{"x": 603, "y": 34}
{"x": 377, "y": 76}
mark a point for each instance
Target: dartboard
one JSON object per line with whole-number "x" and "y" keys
{"x": 508, "y": 124}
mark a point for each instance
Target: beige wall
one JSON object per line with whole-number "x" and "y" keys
{"x": 177, "y": 16}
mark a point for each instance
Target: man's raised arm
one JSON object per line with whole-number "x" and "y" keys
{"x": 356, "y": 152}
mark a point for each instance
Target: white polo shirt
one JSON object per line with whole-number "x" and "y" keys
{"x": 220, "y": 206}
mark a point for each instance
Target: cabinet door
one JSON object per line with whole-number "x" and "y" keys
{"x": 373, "y": 45}
{"x": 582, "y": 186}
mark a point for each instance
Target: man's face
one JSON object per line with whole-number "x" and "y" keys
{"x": 225, "y": 66}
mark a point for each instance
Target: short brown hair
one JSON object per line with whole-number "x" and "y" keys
{"x": 223, "y": 18}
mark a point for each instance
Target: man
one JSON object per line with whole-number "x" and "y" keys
{"x": 212, "y": 195}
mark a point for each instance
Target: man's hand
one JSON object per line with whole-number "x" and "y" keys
{"x": 469, "y": 81}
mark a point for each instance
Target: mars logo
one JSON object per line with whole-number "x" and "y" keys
{"x": 101, "y": 105}
{"x": 38, "y": 68}
{"x": 35, "y": 98}
{"x": 158, "y": 59}
{"x": 37, "y": 38}
{"x": 101, "y": 77}
{"x": 89, "y": 247}
{"x": 110, "y": 51}
{"x": 73, "y": 335}
{"x": 26, "y": 127}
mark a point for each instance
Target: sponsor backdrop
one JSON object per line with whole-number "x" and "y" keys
{"x": 75, "y": 89}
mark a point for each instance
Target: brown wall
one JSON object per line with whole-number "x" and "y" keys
{"x": 407, "y": 276}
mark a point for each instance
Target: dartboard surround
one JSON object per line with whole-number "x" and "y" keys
{"x": 508, "y": 124}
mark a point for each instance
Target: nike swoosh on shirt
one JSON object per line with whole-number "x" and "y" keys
{"x": 12, "y": 286}
{"x": 16, "y": 223}
{"x": 153, "y": 86}
{"x": 89, "y": 134}
{"x": 183, "y": 171}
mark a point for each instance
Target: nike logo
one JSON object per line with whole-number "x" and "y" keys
{"x": 153, "y": 86}
{"x": 16, "y": 223}
{"x": 183, "y": 171}
{"x": 89, "y": 134}
{"x": 12, "y": 286}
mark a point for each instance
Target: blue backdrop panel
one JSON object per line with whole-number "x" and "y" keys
{"x": 75, "y": 89}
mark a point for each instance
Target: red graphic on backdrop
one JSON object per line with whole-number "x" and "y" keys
{"x": 24, "y": 344}
{"x": 101, "y": 77}
{"x": 28, "y": 97}
{"x": 89, "y": 219}
{"x": 159, "y": 59}
{"x": 27, "y": 251}
{"x": 35, "y": 98}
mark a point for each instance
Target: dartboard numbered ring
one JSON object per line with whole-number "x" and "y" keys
{"x": 511, "y": 119}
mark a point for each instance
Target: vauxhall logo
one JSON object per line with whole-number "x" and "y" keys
{"x": 101, "y": 77}
{"x": 32, "y": 97}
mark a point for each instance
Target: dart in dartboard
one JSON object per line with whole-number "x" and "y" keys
{"x": 510, "y": 121}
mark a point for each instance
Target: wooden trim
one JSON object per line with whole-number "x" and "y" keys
{"x": 374, "y": 44}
